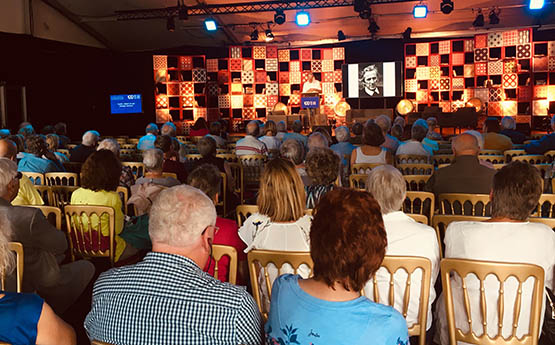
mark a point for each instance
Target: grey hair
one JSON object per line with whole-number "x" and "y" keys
{"x": 152, "y": 128}
{"x": 6, "y": 255}
{"x": 109, "y": 144}
{"x": 317, "y": 139}
{"x": 153, "y": 159}
{"x": 342, "y": 133}
{"x": 387, "y": 185}
{"x": 90, "y": 138}
{"x": 384, "y": 122}
{"x": 168, "y": 129}
{"x": 253, "y": 128}
{"x": 508, "y": 122}
{"x": 293, "y": 150}
{"x": 8, "y": 170}
{"x": 399, "y": 120}
{"x": 179, "y": 215}
{"x": 478, "y": 137}
{"x": 281, "y": 126}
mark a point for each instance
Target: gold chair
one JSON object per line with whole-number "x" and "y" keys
{"x": 61, "y": 195}
{"x": 238, "y": 183}
{"x": 416, "y": 183}
{"x": 123, "y": 193}
{"x": 137, "y": 168}
{"x": 420, "y": 218}
{"x": 502, "y": 272}
{"x": 71, "y": 146}
{"x": 84, "y": 224}
{"x": 509, "y": 154}
{"x": 133, "y": 141}
{"x": 36, "y": 178}
{"x": 18, "y": 249}
{"x": 218, "y": 251}
{"x": 498, "y": 166}
{"x": 52, "y": 214}
{"x": 253, "y": 167}
{"x": 309, "y": 211}
{"x": 532, "y": 159}
{"x": 243, "y": 212}
{"x": 550, "y": 155}
{"x": 358, "y": 181}
{"x": 442, "y": 159}
{"x": 490, "y": 153}
{"x": 493, "y": 159}
{"x": 222, "y": 151}
{"x": 222, "y": 195}
{"x": 258, "y": 264}
{"x": 130, "y": 155}
{"x": 182, "y": 139}
{"x": 416, "y": 169}
{"x": 62, "y": 179}
{"x": 128, "y": 146}
{"x": 412, "y": 159}
{"x": 191, "y": 157}
{"x": 420, "y": 203}
{"x": 169, "y": 174}
{"x": 465, "y": 204}
{"x": 409, "y": 264}
{"x": 45, "y": 193}
{"x": 228, "y": 157}
{"x": 65, "y": 152}
{"x": 546, "y": 203}
{"x": 363, "y": 168}
{"x": 440, "y": 222}
{"x": 196, "y": 139}
{"x": 542, "y": 168}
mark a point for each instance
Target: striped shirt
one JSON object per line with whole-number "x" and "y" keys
{"x": 168, "y": 299}
{"x": 249, "y": 145}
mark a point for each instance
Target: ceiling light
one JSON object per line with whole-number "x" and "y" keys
{"x": 446, "y": 6}
{"x": 340, "y": 35}
{"x": 279, "y": 17}
{"x": 170, "y": 24}
{"x": 494, "y": 17}
{"x": 269, "y": 35}
{"x": 420, "y": 11}
{"x": 182, "y": 13}
{"x": 254, "y": 35}
{"x": 302, "y": 18}
{"x": 536, "y": 4}
{"x": 210, "y": 24}
{"x": 479, "y": 21}
{"x": 407, "y": 33}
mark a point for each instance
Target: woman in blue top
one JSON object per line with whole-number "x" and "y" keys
{"x": 347, "y": 245}
{"x": 25, "y": 318}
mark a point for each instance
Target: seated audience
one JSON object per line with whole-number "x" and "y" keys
{"x": 328, "y": 307}
{"x": 507, "y": 237}
{"x": 99, "y": 180}
{"x": 414, "y": 146}
{"x": 281, "y": 130}
{"x": 317, "y": 140}
{"x": 465, "y": 174}
{"x": 269, "y": 138}
{"x": 26, "y": 317}
{"x": 26, "y": 129}
{"x": 322, "y": 167}
{"x": 38, "y": 159}
{"x": 480, "y": 139}
{"x": 405, "y": 237}
{"x": 61, "y": 131}
{"x": 207, "y": 148}
{"x": 546, "y": 143}
{"x": 52, "y": 142}
{"x": 428, "y": 143}
{"x": 492, "y": 139}
{"x": 250, "y": 145}
{"x": 297, "y": 128}
{"x": 178, "y": 302}
{"x": 147, "y": 141}
{"x": 171, "y": 162}
{"x": 343, "y": 147}
{"x": 397, "y": 132}
{"x": 27, "y": 194}
{"x": 215, "y": 133}
{"x": 207, "y": 178}
{"x": 391, "y": 143}
{"x": 293, "y": 150}
{"x": 432, "y": 126}
{"x": 200, "y": 128}
{"x": 370, "y": 151}
{"x": 168, "y": 129}
{"x": 126, "y": 179}
{"x": 88, "y": 145}
{"x": 357, "y": 132}
{"x": 508, "y": 128}
{"x": 44, "y": 247}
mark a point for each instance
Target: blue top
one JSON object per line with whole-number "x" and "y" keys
{"x": 146, "y": 142}
{"x": 539, "y": 147}
{"x": 298, "y": 136}
{"x": 32, "y": 163}
{"x": 320, "y": 322}
{"x": 343, "y": 148}
{"x": 20, "y": 313}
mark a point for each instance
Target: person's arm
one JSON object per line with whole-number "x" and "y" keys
{"x": 46, "y": 236}
{"x": 52, "y": 330}
{"x": 540, "y": 146}
{"x": 248, "y": 325}
{"x": 353, "y": 157}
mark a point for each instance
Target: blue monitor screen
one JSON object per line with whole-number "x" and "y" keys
{"x": 126, "y": 104}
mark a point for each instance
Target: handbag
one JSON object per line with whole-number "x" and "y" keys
{"x": 547, "y": 336}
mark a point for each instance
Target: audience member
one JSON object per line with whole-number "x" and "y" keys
{"x": 199, "y": 128}
{"x": 281, "y": 127}
{"x": 405, "y": 237}
{"x": 215, "y": 133}
{"x": 26, "y": 129}
{"x": 4, "y": 133}
{"x": 207, "y": 178}
{"x": 207, "y": 148}
{"x": 347, "y": 246}
{"x": 126, "y": 179}
{"x": 27, "y": 194}
{"x": 171, "y": 163}
{"x": 414, "y": 146}
{"x": 297, "y": 128}
{"x": 38, "y": 159}
{"x": 250, "y": 145}
{"x": 397, "y": 132}
{"x": 61, "y": 131}
{"x": 343, "y": 147}
{"x": 88, "y": 146}
{"x": 26, "y": 317}
{"x": 322, "y": 167}
{"x": 20, "y": 143}
{"x": 508, "y": 128}
{"x": 432, "y": 126}
{"x": 179, "y": 302}
{"x": 53, "y": 142}
{"x": 48, "y": 129}
{"x": 168, "y": 129}
{"x": 147, "y": 141}
{"x": 480, "y": 140}
{"x": 357, "y": 128}
{"x": 391, "y": 143}
{"x": 492, "y": 139}
{"x": 44, "y": 248}
{"x": 99, "y": 180}
{"x": 317, "y": 140}
{"x": 507, "y": 237}
{"x": 432, "y": 144}
{"x": 269, "y": 139}
{"x": 546, "y": 143}
{"x": 370, "y": 151}
{"x": 293, "y": 150}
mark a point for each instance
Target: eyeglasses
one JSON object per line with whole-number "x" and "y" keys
{"x": 216, "y": 229}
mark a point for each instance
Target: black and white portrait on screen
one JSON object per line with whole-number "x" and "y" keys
{"x": 370, "y": 81}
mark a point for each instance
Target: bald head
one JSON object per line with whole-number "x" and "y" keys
{"x": 253, "y": 128}
{"x": 465, "y": 144}
{"x": 8, "y": 149}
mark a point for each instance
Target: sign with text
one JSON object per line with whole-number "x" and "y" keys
{"x": 126, "y": 104}
{"x": 311, "y": 102}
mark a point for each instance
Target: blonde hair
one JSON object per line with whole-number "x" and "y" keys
{"x": 387, "y": 185}
{"x": 6, "y": 256}
{"x": 281, "y": 197}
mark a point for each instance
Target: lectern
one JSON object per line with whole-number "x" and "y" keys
{"x": 311, "y": 102}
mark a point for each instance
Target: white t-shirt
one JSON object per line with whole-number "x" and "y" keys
{"x": 272, "y": 143}
{"x": 315, "y": 84}
{"x": 413, "y": 147}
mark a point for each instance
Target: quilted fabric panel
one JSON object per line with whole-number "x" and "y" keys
{"x": 339, "y": 53}
{"x": 445, "y": 47}
{"x": 295, "y": 99}
{"x": 411, "y": 85}
{"x": 295, "y": 77}
{"x": 187, "y": 88}
{"x": 551, "y": 64}
{"x": 495, "y": 94}
{"x": 422, "y": 73}
{"x": 523, "y": 51}
{"x": 223, "y": 77}
{"x": 468, "y": 71}
{"x": 328, "y": 88}
{"x": 272, "y": 88}
{"x": 237, "y": 101}
{"x": 422, "y": 49}
{"x": 337, "y": 76}
{"x": 422, "y": 96}
{"x": 327, "y": 65}
{"x": 551, "y": 92}
{"x": 540, "y": 91}
{"x": 540, "y": 64}
{"x": 456, "y": 105}
{"x": 212, "y": 89}
{"x": 199, "y": 75}
{"x": 434, "y": 60}
{"x": 249, "y": 113}
{"x": 327, "y": 77}
{"x": 260, "y": 101}
{"x": 236, "y": 88}
{"x": 271, "y": 52}
{"x": 284, "y": 77}
{"x": 523, "y": 36}
{"x": 482, "y": 94}
{"x": 316, "y": 65}
{"x": 161, "y": 101}
{"x": 213, "y": 114}
{"x": 551, "y": 48}
{"x": 295, "y": 66}
{"x": 259, "y": 52}
{"x": 495, "y": 67}
{"x": 304, "y": 76}
{"x": 160, "y": 61}
{"x": 199, "y": 112}
{"x": 212, "y": 65}
{"x": 444, "y": 84}
{"x": 495, "y": 39}
{"x": 468, "y": 45}
{"x": 329, "y": 99}
{"x": 509, "y": 108}
{"x": 306, "y": 54}
{"x": 458, "y": 59}
{"x": 540, "y": 107}
{"x": 259, "y": 76}
{"x": 510, "y": 38}
{"x": 248, "y": 100}
{"x": 248, "y": 64}
{"x": 481, "y": 54}
{"x": 480, "y": 41}
{"x": 173, "y": 89}
{"x": 494, "y": 109}
{"x": 224, "y": 101}
{"x": 410, "y": 62}
{"x": 481, "y": 68}
{"x": 271, "y": 65}
{"x": 445, "y": 106}
{"x": 509, "y": 66}
{"x": 235, "y": 52}
{"x": 468, "y": 93}
{"x": 458, "y": 83}
{"x": 435, "y": 72}
{"x": 272, "y": 100}
{"x": 524, "y": 93}
{"x": 327, "y": 54}
{"x": 186, "y": 62}
{"x": 510, "y": 81}
{"x": 187, "y": 101}
{"x": 284, "y": 89}
{"x": 433, "y": 84}
{"x": 247, "y": 77}
{"x": 235, "y": 64}
{"x": 283, "y": 55}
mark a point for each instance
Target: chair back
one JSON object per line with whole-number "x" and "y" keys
{"x": 440, "y": 222}
{"x": 65, "y": 152}
{"x": 61, "y": 195}
{"x": 499, "y": 166}
{"x": 237, "y": 180}
{"x": 253, "y": 167}
{"x": 502, "y": 272}
{"x": 128, "y": 146}
{"x": 420, "y": 218}
{"x": 550, "y": 154}
{"x": 443, "y": 159}
{"x": 18, "y": 249}
{"x": 123, "y": 193}
{"x": 465, "y": 204}
{"x": 490, "y": 152}
{"x": 409, "y": 264}
{"x": 71, "y": 146}
{"x": 244, "y": 211}
{"x": 191, "y": 157}
{"x": 219, "y": 251}
{"x": 45, "y": 193}
{"x": 137, "y": 168}
{"x": 546, "y": 203}
{"x": 228, "y": 157}
{"x": 509, "y": 154}
{"x": 416, "y": 169}
{"x": 84, "y": 229}
{"x": 358, "y": 181}
{"x": 222, "y": 193}
{"x": 412, "y": 159}
{"x": 416, "y": 183}
{"x": 36, "y": 178}
{"x": 52, "y": 214}
{"x": 258, "y": 264}
{"x": 493, "y": 159}
{"x": 420, "y": 203}
{"x": 363, "y": 168}
{"x": 532, "y": 159}
{"x": 129, "y": 155}
{"x": 62, "y": 179}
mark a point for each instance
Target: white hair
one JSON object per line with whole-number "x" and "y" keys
{"x": 6, "y": 255}
{"x": 384, "y": 122}
{"x": 508, "y": 122}
{"x": 109, "y": 144}
{"x": 317, "y": 139}
{"x": 342, "y": 133}
{"x": 168, "y": 129}
{"x": 179, "y": 215}
{"x": 90, "y": 138}
{"x": 478, "y": 137}
{"x": 399, "y": 120}
{"x": 387, "y": 185}
{"x": 8, "y": 170}
{"x": 153, "y": 159}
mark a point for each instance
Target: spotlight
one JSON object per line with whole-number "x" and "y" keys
{"x": 420, "y": 11}
{"x": 183, "y": 15}
{"x": 210, "y": 24}
{"x": 373, "y": 28}
{"x": 340, "y": 35}
{"x": 279, "y": 17}
{"x": 269, "y": 35}
{"x": 170, "y": 24}
{"x": 479, "y": 21}
{"x": 254, "y": 35}
{"x": 536, "y": 4}
{"x": 446, "y": 6}
{"x": 494, "y": 17}
{"x": 302, "y": 18}
{"x": 362, "y": 7}
{"x": 407, "y": 33}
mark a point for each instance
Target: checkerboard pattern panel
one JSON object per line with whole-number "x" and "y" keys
{"x": 551, "y": 64}
{"x": 509, "y": 108}
{"x": 247, "y": 77}
{"x": 411, "y": 85}
{"x": 422, "y": 49}
{"x": 259, "y": 76}
{"x": 524, "y": 93}
{"x": 328, "y": 88}
{"x": 237, "y": 101}
{"x": 337, "y": 76}
{"x": 295, "y": 77}
{"x": 186, "y": 62}
{"x": 468, "y": 71}
{"x": 422, "y": 96}
{"x": 445, "y": 47}
{"x": 271, "y": 52}
{"x": 199, "y": 75}
{"x": 259, "y": 52}
{"x": 161, "y": 101}
{"x": 480, "y": 41}
{"x": 260, "y": 101}
{"x": 212, "y": 65}
{"x": 468, "y": 93}
{"x": 523, "y": 51}
{"x": 248, "y": 64}
{"x": 433, "y": 84}
{"x": 458, "y": 59}
{"x": 187, "y": 101}
{"x": 540, "y": 64}
{"x": 510, "y": 38}
{"x": 422, "y": 73}
{"x": 410, "y": 62}
{"x": 509, "y": 66}
{"x": 457, "y": 105}
{"x": 482, "y": 94}
{"x": 306, "y": 54}
{"x": 316, "y": 65}
{"x": 481, "y": 54}
{"x": 494, "y": 109}
{"x": 272, "y": 88}
{"x": 540, "y": 91}
{"x": 235, "y": 64}
{"x": 551, "y": 48}
{"x": 495, "y": 94}
{"x": 434, "y": 60}
{"x": 284, "y": 77}
{"x": 327, "y": 77}
{"x": 435, "y": 72}
{"x": 540, "y": 107}
{"x": 458, "y": 83}
{"x": 523, "y": 36}
{"x": 295, "y": 99}
{"x": 283, "y": 55}
{"x": 295, "y": 66}
{"x": 272, "y": 100}
{"x": 173, "y": 89}
{"x": 235, "y": 52}
{"x": 249, "y": 113}
{"x": 223, "y": 77}
{"x": 495, "y": 67}
{"x": 212, "y": 89}
{"x": 468, "y": 46}
{"x": 339, "y": 53}
{"x": 160, "y": 61}
{"x": 510, "y": 81}
{"x": 304, "y": 76}
{"x": 187, "y": 88}
{"x": 271, "y": 65}
{"x": 327, "y": 65}
{"x": 248, "y": 100}
{"x": 481, "y": 68}
{"x": 445, "y": 106}
{"x": 444, "y": 84}
{"x": 495, "y": 39}
{"x": 224, "y": 101}
{"x": 284, "y": 89}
